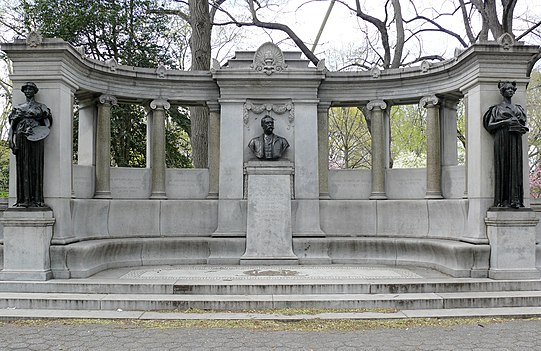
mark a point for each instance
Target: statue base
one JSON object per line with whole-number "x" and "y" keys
{"x": 27, "y": 238}
{"x": 269, "y": 239}
{"x": 511, "y": 234}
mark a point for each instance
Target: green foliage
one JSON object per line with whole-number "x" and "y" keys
{"x": 178, "y": 148}
{"x": 128, "y": 136}
{"x": 408, "y": 136}
{"x": 4, "y": 168}
{"x": 349, "y": 139}
{"x": 132, "y": 33}
{"x": 126, "y": 30}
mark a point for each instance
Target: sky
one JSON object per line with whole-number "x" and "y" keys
{"x": 343, "y": 30}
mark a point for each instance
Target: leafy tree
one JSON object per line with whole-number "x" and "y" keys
{"x": 4, "y": 168}
{"x": 349, "y": 139}
{"x": 408, "y": 128}
{"x": 127, "y": 31}
{"x": 177, "y": 135}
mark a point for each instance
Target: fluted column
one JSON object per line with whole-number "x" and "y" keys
{"x": 323, "y": 149}
{"x": 214, "y": 149}
{"x": 378, "y": 149}
{"x": 158, "y": 148}
{"x": 433, "y": 147}
{"x": 103, "y": 147}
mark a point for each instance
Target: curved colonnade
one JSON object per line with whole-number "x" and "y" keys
{"x": 107, "y": 217}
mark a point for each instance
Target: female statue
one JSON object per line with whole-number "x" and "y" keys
{"x": 29, "y": 125}
{"x": 507, "y": 122}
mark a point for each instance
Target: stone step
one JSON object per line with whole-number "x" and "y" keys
{"x": 183, "y": 287}
{"x": 148, "y": 302}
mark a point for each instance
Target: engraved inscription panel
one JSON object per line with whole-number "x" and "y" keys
{"x": 269, "y": 216}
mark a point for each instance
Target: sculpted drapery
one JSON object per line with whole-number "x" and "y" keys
{"x": 29, "y": 126}
{"x": 507, "y": 122}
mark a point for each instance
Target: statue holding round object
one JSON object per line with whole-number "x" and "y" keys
{"x": 29, "y": 126}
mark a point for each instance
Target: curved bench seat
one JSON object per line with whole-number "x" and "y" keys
{"x": 85, "y": 258}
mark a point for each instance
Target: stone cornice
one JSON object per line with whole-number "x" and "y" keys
{"x": 54, "y": 59}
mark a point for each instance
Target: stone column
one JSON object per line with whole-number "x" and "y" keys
{"x": 214, "y": 149}
{"x": 86, "y": 147}
{"x": 433, "y": 147}
{"x": 323, "y": 149}
{"x": 378, "y": 149}
{"x": 480, "y": 158}
{"x": 103, "y": 147}
{"x": 448, "y": 112}
{"x": 158, "y": 148}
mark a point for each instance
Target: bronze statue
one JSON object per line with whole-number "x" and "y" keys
{"x": 507, "y": 122}
{"x": 29, "y": 126}
{"x": 268, "y": 146}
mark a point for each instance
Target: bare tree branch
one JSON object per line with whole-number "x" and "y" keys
{"x": 531, "y": 29}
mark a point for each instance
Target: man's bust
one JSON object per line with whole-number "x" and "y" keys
{"x": 268, "y": 146}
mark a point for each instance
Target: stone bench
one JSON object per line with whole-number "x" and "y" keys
{"x": 85, "y": 258}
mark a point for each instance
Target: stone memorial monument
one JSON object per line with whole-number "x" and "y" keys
{"x": 268, "y": 234}
{"x": 28, "y": 225}
{"x": 510, "y": 226}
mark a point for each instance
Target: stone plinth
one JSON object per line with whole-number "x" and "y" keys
{"x": 27, "y": 237}
{"x": 511, "y": 234}
{"x": 269, "y": 237}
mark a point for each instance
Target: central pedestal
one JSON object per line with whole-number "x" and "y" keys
{"x": 268, "y": 234}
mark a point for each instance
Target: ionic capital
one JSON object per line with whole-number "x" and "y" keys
{"x": 429, "y": 101}
{"x": 108, "y": 99}
{"x": 160, "y": 104}
{"x": 380, "y": 104}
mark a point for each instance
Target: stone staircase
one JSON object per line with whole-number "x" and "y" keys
{"x": 209, "y": 289}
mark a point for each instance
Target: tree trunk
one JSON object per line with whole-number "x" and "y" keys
{"x": 201, "y": 55}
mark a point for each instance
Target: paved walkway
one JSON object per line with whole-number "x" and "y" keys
{"x": 508, "y": 335}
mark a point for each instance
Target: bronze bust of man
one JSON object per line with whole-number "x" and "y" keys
{"x": 268, "y": 146}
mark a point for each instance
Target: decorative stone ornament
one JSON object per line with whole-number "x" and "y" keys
{"x": 34, "y": 39}
{"x": 160, "y": 104}
{"x": 321, "y": 66}
{"x": 376, "y": 103}
{"x": 81, "y": 50}
{"x": 507, "y": 41}
{"x": 279, "y": 109}
{"x": 112, "y": 64}
{"x": 215, "y": 65}
{"x": 161, "y": 70}
{"x": 108, "y": 99}
{"x": 375, "y": 72}
{"x": 425, "y": 66}
{"x": 429, "y": 101}
{"x": 458, "y": 52}
{"x": 269, "y": 59}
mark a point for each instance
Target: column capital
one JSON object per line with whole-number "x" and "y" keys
{"x": 160, "y": 104}
{"x": 429, "y": 101}
{"x": 380, "y": 104}
{"x": 108, "y": 99}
